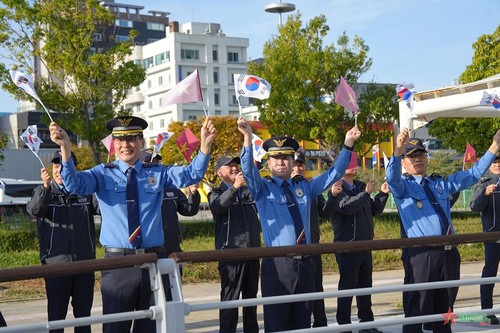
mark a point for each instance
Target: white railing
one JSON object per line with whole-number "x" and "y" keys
{"x": 170, "y": 316}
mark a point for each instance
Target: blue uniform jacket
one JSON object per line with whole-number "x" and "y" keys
{"x": 275, "y": 219}
{"x": 109, "y": 182}
{"x": 418, "y": 217}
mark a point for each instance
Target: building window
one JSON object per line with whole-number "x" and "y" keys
{"x": 155, "y": 26}
{"x": 121, "y": 38}
{"x": 160, "y": 80}
{"x": 162, "y": 123}
{"x": 150, "y": 126}
{"x": 216, "y": 98}
{"x": 192, "y": 117}
{"x": 138, "y": 62}
{"x": 124, "y": 23}
{"x": 150, "y": 105}
{"x": 232, "y": 57}
{"x": 149, "y": 84}
{"x": 235, "y": 101}
{"x": 148, "y": 62}
{"x": 216, "y": 77}
{"x": 152, "y": 40}
{"x": 215, "y": 55}
{"x": 190, "y": 54}
{"x": 97, "y": 37}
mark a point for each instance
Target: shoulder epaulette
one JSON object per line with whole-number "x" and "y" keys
{"x": 297, "y": 178}
{"x": 110, "y": 165}
{"x": 149, "y": 164}
{"x": 268, "y": 178}
{"x": 436, "y": 175}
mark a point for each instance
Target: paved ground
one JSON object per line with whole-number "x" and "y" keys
{"x": 384, "y": 306}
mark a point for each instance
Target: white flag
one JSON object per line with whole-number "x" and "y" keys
{"x": 251, "y": 86}
{"x": 25, "y": 82}
{"x": 258, "y": 151}
{"x": 160, "y": 141}
{"x": 386, "y": 160}
{"x": 31, "y": 139}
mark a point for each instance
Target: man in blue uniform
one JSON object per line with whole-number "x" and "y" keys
{"x": 174, "y": 202}
{"x": 352, "y": 209}
{"x": 486, "y": 200}
{"x": 318, "y": 307}
{"x": 130, "y": 195}
{"x": 66, "y": 231}
{"x": 424, "y": 207}
{"x": 284, "y": 210}
{"x": 236, "y": 226}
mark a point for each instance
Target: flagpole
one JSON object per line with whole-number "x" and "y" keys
{"x": 43, "y": 166}
{"x": 239, "y": 107}
{"x": 47, "y": 111}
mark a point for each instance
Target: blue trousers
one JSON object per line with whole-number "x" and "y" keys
{"x": 491, "y": 260}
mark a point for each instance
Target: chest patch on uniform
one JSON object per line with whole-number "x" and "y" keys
{"x": 151, "y": 180}
{"x": 440, "y": 189}
{"x": 169, "y": 194}
{"x": 299, "y": 192}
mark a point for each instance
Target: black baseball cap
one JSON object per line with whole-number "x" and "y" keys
{"x": 225, "y": 160}
{"x": 57, "y": 158}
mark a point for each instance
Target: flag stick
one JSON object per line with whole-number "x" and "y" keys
{"x": 239, "y": 106}
{"x": 206, "y": 112}
{"x": 43, "y": 166}
{"x": 355, "y": 119}
{"x": 47, "y": 111}
{"x": 107, "y": 161}
{"x": 373, "y": 172}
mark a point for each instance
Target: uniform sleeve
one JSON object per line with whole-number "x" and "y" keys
{"x": 39, "y": 204}
{"x": 220, "y": 201}
{"x": 331, "y": 205}
{"x": 350, "y": 204}
{"x": 188, "y": 206}
{"x": 379, "y": 202}
{"x": 393, "y": 177}
{"x": 479, "y": 200}
{"x": 251, "y": 174}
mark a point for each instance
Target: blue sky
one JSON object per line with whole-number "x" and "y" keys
{"x": 427, "y": 42}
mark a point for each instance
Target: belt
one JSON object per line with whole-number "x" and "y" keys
{"x": 125, "y": 251}
{"x": 298, "y": 257}
{"x": 449, "y": 247}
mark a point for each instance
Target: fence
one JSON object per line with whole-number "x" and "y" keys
{"x": 177, "y": 309}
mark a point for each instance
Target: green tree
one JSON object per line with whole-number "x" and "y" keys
{"x": 302, "y": 71}
{"x": 3, "y": 144}
{"x": 456, "y": 132}
{"x": 227, "y": 142}
{"x": 84, "y": 81}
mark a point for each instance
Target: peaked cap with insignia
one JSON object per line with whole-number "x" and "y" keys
{"x": 414, "y": 145}
{"x": 280, "y": 145}
{"x": 123, "y": 126}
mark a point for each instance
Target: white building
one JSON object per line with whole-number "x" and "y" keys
{"x": 169, "y": 60}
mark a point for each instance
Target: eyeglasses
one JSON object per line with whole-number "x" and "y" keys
{"x": 418, "y": 154}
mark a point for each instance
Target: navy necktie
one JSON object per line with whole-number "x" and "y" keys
{"x": 294, "y": 212}
{"x": 445, "y": 223}
{"x": 134, "y": 225}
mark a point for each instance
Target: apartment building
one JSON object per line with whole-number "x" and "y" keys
{"x": 186, "y": 47}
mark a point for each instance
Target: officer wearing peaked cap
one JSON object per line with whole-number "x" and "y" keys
{"x": 424, "y": 205}
{"x": 284, "y": 210}
{"x": 129, "y": 190}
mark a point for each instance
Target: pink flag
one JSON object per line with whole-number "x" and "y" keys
{"x": 108, "y": 143}
{"x": 345, "y": 96}
{"x": 353, "y": 163}
{"x": 186, "y": 91}
{"x": 187, "y": 143}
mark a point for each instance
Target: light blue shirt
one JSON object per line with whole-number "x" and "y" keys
{"x": 109, "y": 184}
{"x": 277, "y": 224}
{"x": 415, "y": 210}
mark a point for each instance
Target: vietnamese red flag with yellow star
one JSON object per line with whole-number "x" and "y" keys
{"x": 187, "y": 143}
{"x": 470, "y": 154}
{"x": 346, "y": 96}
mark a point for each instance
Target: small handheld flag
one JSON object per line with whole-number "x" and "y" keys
{"x": 406, "y": 92}
{"x": 258, "y": 151}
{"x": 346, "y": 97}
{"x": 353, "y": 162}
{"x": 187, "y": 143}
{"x": 31, "y": 139}
{"x": 25, "y": 82}
{"x": 186, "y": 91}
{"x": 160, "y": 141}
{"x": 490, "y": 99}
{"x": 470, "y": 154}
{"x": 250, "y": 86}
